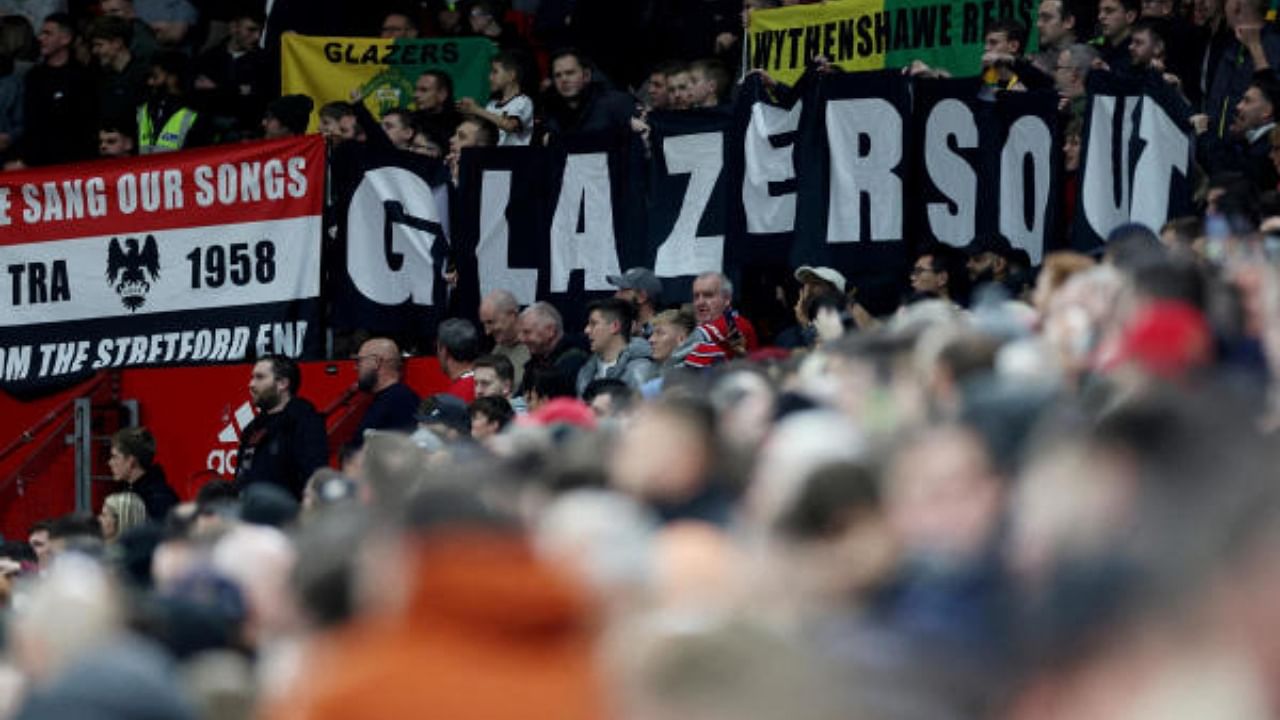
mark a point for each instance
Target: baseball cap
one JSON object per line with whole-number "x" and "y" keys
{"x": 447, "y": 410}
{"x": 1168, "y": 338}
{"x": 562, "y": 411}
{"x": 997, "y": 244}
{"x": 826, "y": 274}
{"x": 637, "y": 278}
{"x": 268, "y": 504}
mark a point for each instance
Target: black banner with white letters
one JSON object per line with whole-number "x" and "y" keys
{"x": 852, "y": 155}
{"x": 846, "y": 170}
{"x": 687, "y": 198}
{"x": 1135, "y": 165}
{"x": 503, "y": 222}
{"x": 987, "y": 167}
{"x": 763, "y": 172}
{"x": 387, "y": 263}
{"x": 550, "y": 223}
{"x": 541, "y": 223}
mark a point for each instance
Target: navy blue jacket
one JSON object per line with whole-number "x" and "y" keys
{"x": 395, "y": 408}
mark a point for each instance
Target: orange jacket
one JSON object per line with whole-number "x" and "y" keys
{"x": 489, "y": 633}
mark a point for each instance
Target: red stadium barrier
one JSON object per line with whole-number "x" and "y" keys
{"x": 195, "y": 413}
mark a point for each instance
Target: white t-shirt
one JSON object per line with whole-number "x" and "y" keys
{"x": 603, "y": 368}
{"x": 519, "y": 107}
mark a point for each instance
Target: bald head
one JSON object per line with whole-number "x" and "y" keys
{"x": 501, "y": 300}
{"x": 499, "y": 314}
{"x": 385, "y": 348}
{"x": 541, "y": 328}
{"x": 378, "y": 364}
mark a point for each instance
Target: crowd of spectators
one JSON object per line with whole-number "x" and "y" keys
{"x": 1027, "y": 492}
{"x": 1055, "y": 508}
{"x": 83, "y": 78}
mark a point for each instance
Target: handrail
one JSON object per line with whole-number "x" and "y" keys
{"x": 57, "y": 436}
{"x": 30, "y": 434}
{"x": 342, "y": 416}
{"x": 340, "y": 401}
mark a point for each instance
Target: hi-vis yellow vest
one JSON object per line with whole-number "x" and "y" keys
{"x": 172, "y": 136}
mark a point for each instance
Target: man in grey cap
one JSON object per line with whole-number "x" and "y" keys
{"x": 640, "y": 287}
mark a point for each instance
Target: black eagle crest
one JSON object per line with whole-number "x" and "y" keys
{"x": 128, "y": 269}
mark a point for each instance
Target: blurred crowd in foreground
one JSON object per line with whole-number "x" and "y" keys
{"x": 1055, "y": 502}
{"x": 1058, "y": 510}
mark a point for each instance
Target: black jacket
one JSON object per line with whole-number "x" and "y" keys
{"x": 566, "y": 358}
{"x": 61, "y": 115}
{"x": 283, "y": 448}
{"x": 394, "y": 408}
{"x": 239, "y": 99}
{"x": 155, "y": 493}
{"x": 1237, "y": 154}
{"x": 602, "y": 112}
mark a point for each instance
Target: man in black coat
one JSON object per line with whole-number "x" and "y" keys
{"x": 1247, "y": 147}
{"x": 577, "y": 104}
{"x": 59, "y": 100}
{"x": 230, "y": 78}
{"x": 286, "y": 442}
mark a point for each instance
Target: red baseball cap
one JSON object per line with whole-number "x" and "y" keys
{"x": 1168, "y": 338}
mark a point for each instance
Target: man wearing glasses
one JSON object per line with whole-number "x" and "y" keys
{"x": 929, "y": 276}
{"x": 379, "y": 371}
{"x": 399, "y": 26}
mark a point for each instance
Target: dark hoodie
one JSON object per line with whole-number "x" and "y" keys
{"x": 155, "y": 492}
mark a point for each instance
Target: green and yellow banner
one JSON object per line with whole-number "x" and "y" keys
{"x": 384, "y": 71}
{"x": 877, "y": 34}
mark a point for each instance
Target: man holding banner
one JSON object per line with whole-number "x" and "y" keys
{"x": 580, "y": 105}
{"x": 437, "y": 113}
{"x": 871, "y": 35}
{"x": 1247, "y": 149}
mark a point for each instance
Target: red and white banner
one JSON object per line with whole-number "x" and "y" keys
{"x": 209, "y": 255}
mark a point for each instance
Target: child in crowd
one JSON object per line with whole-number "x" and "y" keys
{"x": 510, "y": 109}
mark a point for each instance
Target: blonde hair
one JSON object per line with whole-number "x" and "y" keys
{"x": 129, "y": 509}
{"x": 1060, "y": 266}
{"x": 683, "y": 319}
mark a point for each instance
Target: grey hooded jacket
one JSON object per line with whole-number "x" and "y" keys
{"x": 635, "y": 365}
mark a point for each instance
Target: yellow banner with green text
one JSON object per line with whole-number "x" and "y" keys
{"x": 384, "y": 71}
{"x": 878, "y": 34}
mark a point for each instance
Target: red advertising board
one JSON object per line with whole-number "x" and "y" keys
{"x": 195, "y": 413}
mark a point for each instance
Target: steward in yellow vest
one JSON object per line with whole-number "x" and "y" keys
{"x": 170, "y": 136}
{"x": 165, "y": 121}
